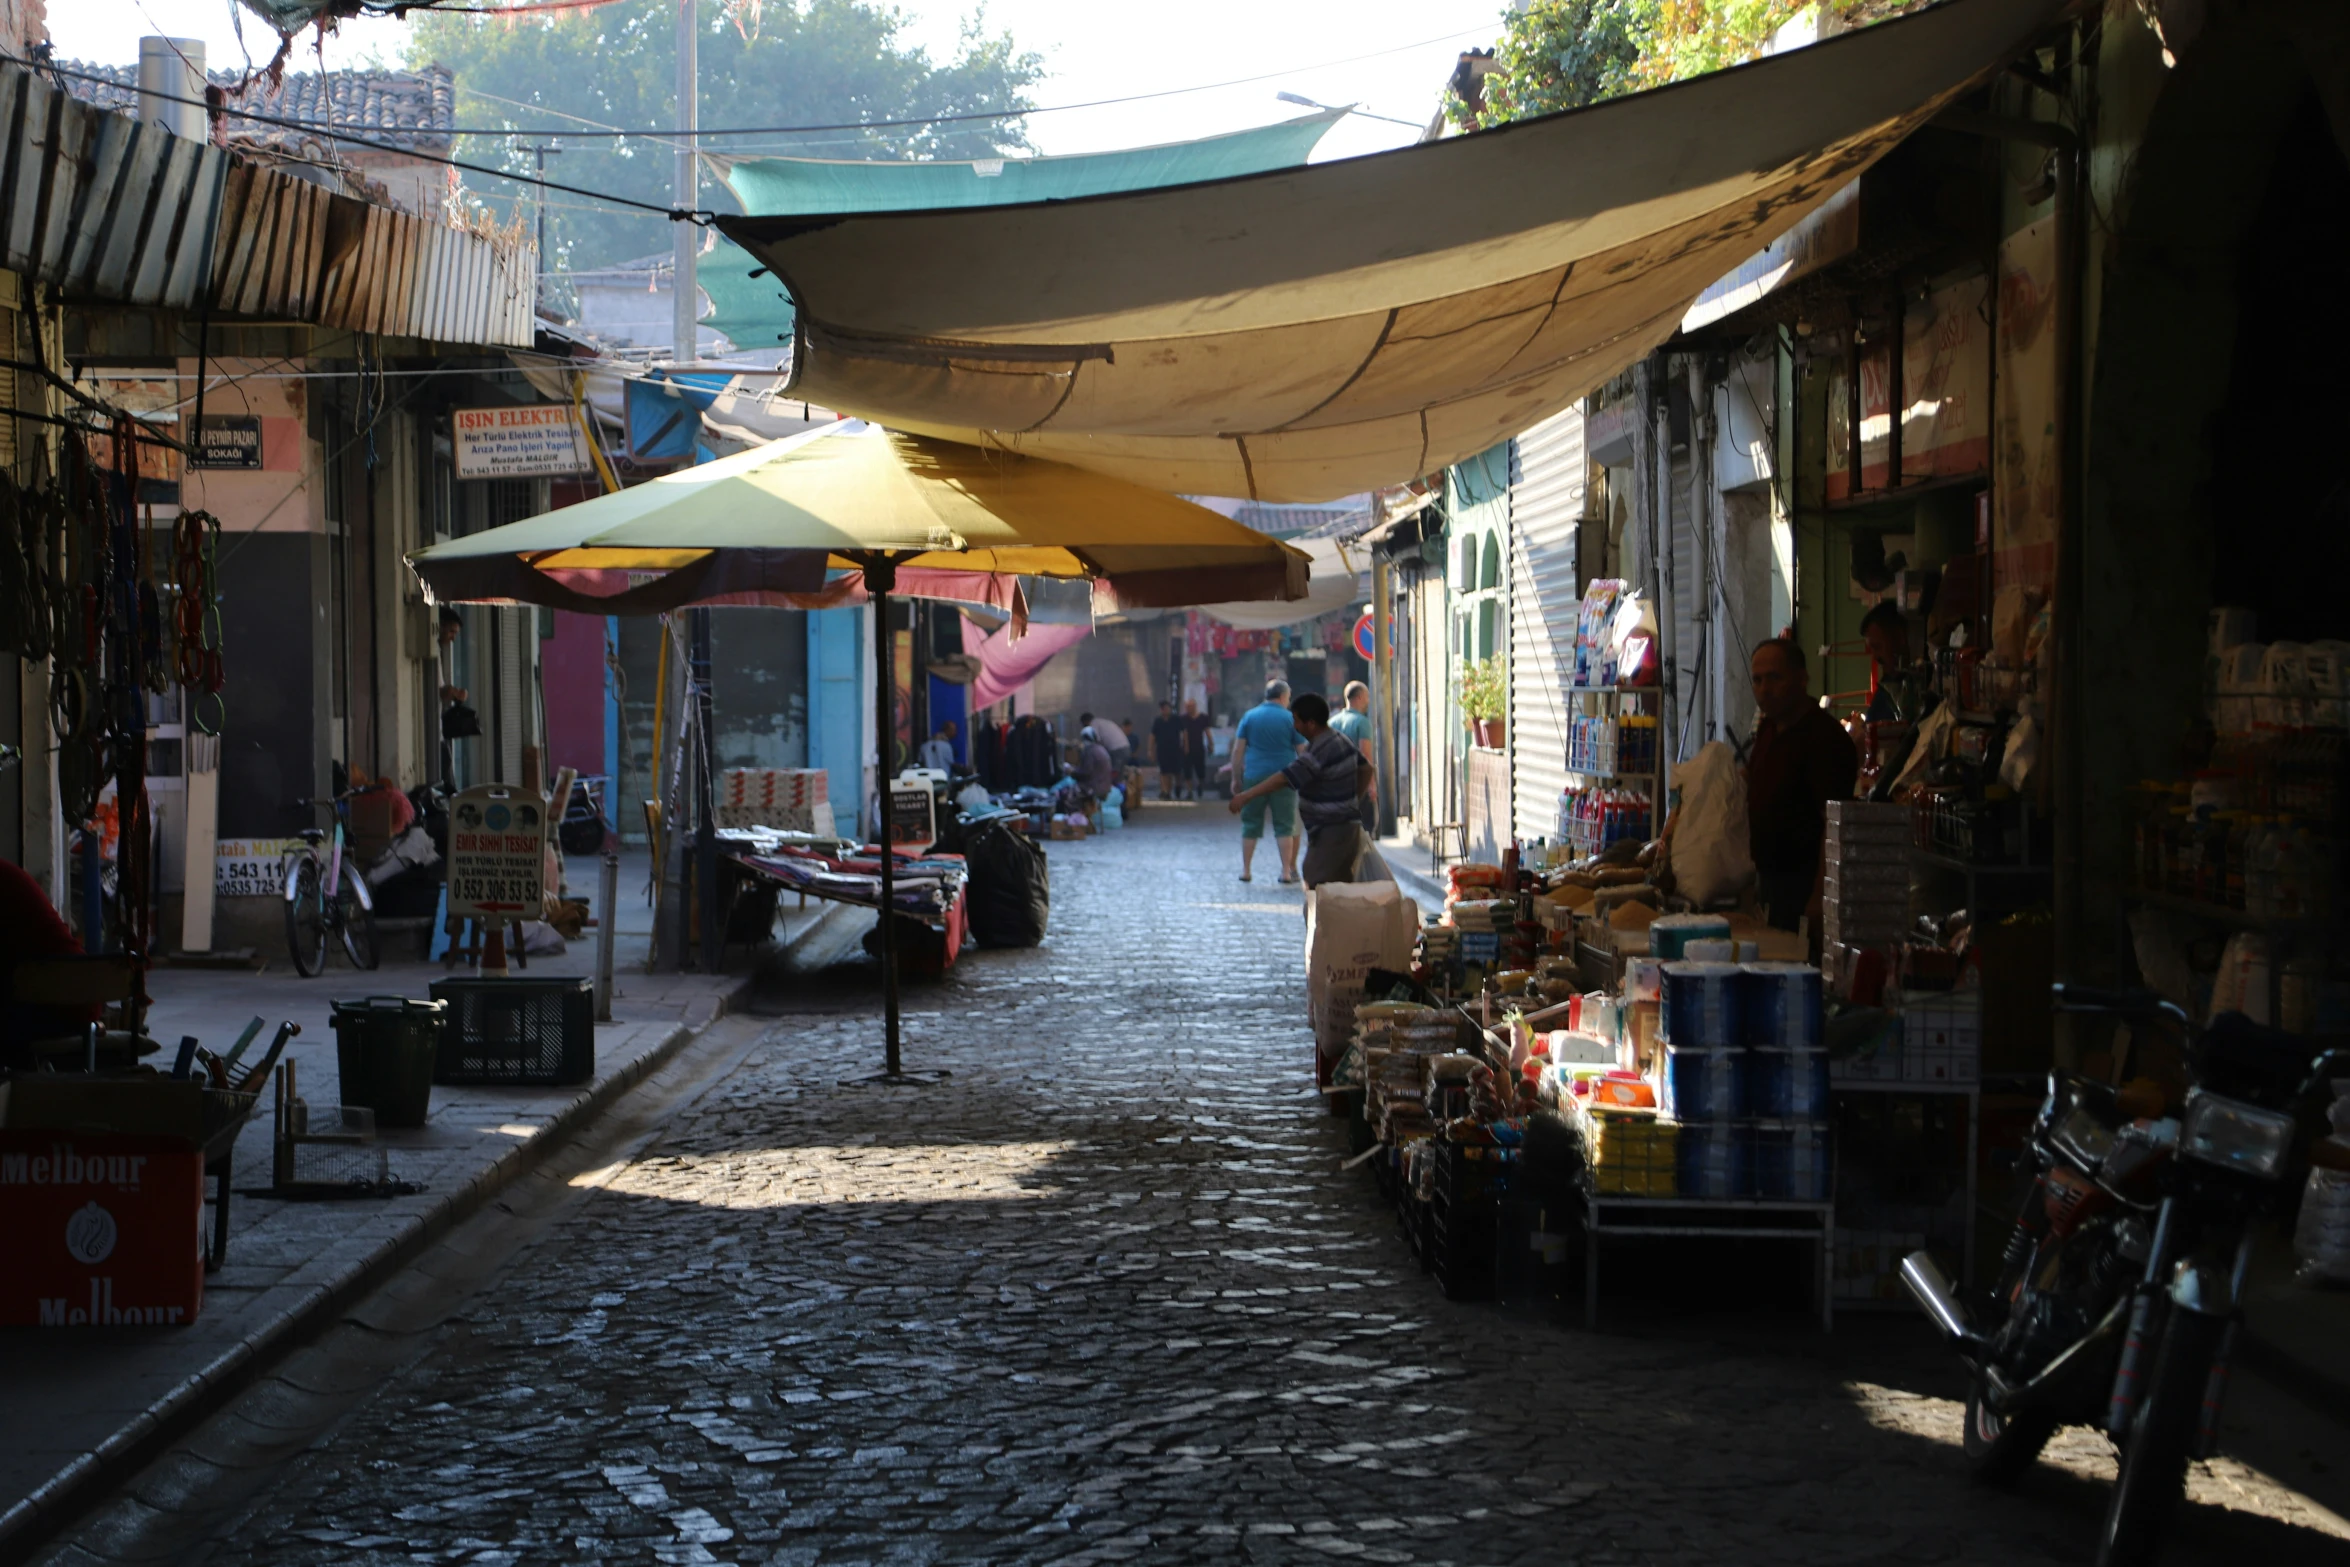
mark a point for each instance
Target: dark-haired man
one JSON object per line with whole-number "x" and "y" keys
{"x": 1802, "y": 759}
{"x": 1328, "y": 775}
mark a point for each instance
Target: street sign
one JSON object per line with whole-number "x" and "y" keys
{"x": 913, "y": 818}
{"x": 518, "y": 441}
{"x": 497, "y": 853}
{"x": 227, "y": 441}
{"x": 1365, "y": 643}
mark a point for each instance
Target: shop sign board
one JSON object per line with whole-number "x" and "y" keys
{"x": 497, "y": 853}
{"x": 518, "y": 441}
{"x": 251, "y": 867}
{"x": 227, "y": 441}
{"x": 913, "y": 818}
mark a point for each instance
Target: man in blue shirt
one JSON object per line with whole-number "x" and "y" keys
{"x": 1328, "y": 777}
{"x": 1264, "y": 744}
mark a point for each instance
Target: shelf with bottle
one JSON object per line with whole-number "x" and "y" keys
{"x": 1618, "y": 746}
{"x": 1593, "y": 820}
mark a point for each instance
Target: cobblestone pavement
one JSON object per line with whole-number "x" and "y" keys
{"x": 1105, "y": 1295}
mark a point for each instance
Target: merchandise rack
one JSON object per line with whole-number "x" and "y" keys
{"x": 1969, "y": 1174}
{"x": 1611, "y": 702}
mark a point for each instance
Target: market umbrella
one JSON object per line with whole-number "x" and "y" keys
{"x": 891, "y": 513}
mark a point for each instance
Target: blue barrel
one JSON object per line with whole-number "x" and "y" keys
{"x": 1713, "y": 1160}
{"x": 1779, "y": 1006}
{"x": 1791, "y": 1160}
{"x": 1705, "y": 1085}
{"x": 1701, "y": 1009}
{"x": 1788, "y": 1085}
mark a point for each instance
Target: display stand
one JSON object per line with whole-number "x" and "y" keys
{"x": 1605, "y": 708}
{"x": 1614, "y": 1217}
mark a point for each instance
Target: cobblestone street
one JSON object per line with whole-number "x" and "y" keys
{"x": 1104, "y": 1294}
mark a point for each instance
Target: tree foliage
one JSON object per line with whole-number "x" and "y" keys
{"x": 1564, "y": 54}
{"x": 784, "y": 63}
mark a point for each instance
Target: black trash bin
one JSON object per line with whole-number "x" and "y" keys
{"x": 385, "y": 1049}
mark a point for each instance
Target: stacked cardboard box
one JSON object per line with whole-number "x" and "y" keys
{"x": 1866, "y": 864}
{"x": 787, "y": 799}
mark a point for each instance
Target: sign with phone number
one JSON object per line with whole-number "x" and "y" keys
{"x": 497, "y": 853}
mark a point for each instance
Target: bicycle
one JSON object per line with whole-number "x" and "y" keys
{"x": 311, "y": 914}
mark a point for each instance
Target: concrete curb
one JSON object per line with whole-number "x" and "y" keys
{"x": 37, "y": 1518}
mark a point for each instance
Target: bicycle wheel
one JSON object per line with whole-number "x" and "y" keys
{"x": 306, "y": 922}
{"x": 356, "y": 922}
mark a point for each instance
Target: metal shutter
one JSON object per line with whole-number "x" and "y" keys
{"x": 1545, "y": 595}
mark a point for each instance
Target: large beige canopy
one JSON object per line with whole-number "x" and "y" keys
{"x": 1305, "y": 333}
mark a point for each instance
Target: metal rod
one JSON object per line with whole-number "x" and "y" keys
{"x": 685, "y": 304}
{"x": 607, "y": 921}
{"x": 705, "y": 797}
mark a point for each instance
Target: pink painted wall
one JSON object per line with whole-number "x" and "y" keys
{"x": 571, "y": 668}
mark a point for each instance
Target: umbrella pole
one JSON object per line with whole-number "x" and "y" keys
{"x": 880, "y": 577}
{"x": 877, "y": 584}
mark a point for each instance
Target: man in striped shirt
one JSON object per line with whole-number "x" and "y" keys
{"x": 1328, "y": 775}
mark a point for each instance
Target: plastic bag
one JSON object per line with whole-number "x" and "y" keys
{"x": 1712, "y": 859}
{"x": 1010, "y": 891}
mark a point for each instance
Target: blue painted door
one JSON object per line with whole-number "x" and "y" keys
{"x": 837, "y": 690}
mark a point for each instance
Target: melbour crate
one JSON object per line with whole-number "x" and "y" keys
{"x": 517, "y": 1031}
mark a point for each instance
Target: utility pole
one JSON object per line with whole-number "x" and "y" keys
{"x": 685, "y": 341}
{"x": 539, "y": 294}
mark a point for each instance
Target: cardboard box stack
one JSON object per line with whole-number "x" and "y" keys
{"x": 1866, "y": 859}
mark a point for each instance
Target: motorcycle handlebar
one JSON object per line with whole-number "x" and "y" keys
{"x": 2070, "y": 997}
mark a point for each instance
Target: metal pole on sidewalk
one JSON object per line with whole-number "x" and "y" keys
{"x": 879, "y": 579}
{"x": 705, "y": 799}
{"x": 607, "y": 923}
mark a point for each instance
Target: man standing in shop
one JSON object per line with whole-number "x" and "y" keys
{"x": 938, "y": 752}
{"x": 1167, "y": 750}
{"x": 1329, "y": 777}
{"x": 1885, "y": 631}
{"x": 1266, "y": 742}
{"x": 1802, "y": 759}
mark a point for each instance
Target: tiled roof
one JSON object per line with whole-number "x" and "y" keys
{"x": 413, "y": 110}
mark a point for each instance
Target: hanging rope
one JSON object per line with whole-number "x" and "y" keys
{"x": 196, "y": 616}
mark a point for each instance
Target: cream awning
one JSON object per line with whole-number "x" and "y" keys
{"x": 1306, "y": 333}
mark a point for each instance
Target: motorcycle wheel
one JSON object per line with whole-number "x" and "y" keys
{"x": 2000, "y": 1448}
{"x": 306, "y": 923}
{"x": 355, "y": 921}
{"x": 2154, "y": 1458}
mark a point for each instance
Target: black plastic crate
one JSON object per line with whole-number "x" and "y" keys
{"x": 517, "y": 1031}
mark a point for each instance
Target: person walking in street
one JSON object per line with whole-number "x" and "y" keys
{"x": 1195, "y": 749}
{"x": 1354, "y": 722}
{"x": 1266, "y": 742}
{"x": 1167, "y": 750}
{"x": 938, "y": 752}
{"x": 1328, "y": 778}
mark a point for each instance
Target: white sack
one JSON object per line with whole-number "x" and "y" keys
{"x": 1712, "y": 857}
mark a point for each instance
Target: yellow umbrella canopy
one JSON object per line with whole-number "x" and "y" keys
{"x": 910, "y": 514}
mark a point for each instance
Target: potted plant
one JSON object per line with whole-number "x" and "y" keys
{"x": 1484, "y": 695}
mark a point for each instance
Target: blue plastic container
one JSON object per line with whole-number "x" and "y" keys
{"x": 1701, "y": 1005}
{"x": 1705, "y": 1085}
{"x": 1791, "y": 1161}
{"x": 1788, "y": 1085}
{"x": 1714, "y": 1160}
{"x": 1779, "y": 1006}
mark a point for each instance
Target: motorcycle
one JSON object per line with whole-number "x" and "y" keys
{"x": 2117, "y": 1302}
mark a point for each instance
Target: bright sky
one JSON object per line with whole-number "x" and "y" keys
{"x": 1389, "y": 56}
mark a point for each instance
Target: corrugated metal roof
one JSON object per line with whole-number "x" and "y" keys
{"x": 413, "y": 110}
{"x": 109, "y": 208}
{"x": 101, "y": 204}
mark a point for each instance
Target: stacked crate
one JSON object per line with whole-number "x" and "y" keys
{"x": 1866, "y": 863}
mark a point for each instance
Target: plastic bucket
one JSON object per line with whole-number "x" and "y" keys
{"x": 1705, "y": 1085}
{"x": 1791, "y": 1161}
{"x": 1790, "y": 1085}
{"x": 1714, "y": 1160}
{"x": 385, "y": 1050}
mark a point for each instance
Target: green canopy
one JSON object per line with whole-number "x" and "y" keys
{"x": 786, "y": 187}
{"x": 754, "y": 312}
